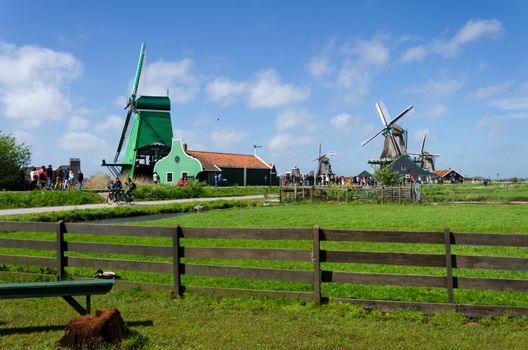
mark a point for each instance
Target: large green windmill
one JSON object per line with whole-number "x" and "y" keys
{"x": 147, "y": 132}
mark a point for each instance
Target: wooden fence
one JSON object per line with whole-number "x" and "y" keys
{"x": 378, "y": 194}
{"x": 314, "y": 256}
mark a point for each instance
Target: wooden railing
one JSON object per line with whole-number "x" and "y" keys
{"x": 314, "y": 256}
{"x": 380, "y": 194}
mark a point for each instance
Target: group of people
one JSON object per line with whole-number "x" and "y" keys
{"x": 50, "y": 179}
{"x": 116, "y": 186}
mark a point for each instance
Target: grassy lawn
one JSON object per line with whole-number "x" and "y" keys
{"x": 197, "y": 322}
{"x": 495, "y": 192}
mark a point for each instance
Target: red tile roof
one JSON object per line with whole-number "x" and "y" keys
{"x": 212, "y": 161}
{"x": 442, "y": 173}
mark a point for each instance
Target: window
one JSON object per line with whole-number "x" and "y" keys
{"x": 169, "y": 177}
{"x": 403, "y": 168}
{"x": 185, "y": 175}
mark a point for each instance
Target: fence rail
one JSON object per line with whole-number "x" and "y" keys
{"x": 173, "y": 254}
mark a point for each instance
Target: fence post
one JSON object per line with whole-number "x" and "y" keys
{"x": 59, "y": 229}
{"x": 177, "y": 290}
{"x": 317, "y": 264}
{"x": 449, "y": 267}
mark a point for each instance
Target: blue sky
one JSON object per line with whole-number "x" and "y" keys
{"x": 286, "y": 75}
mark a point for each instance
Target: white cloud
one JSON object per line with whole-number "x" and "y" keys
{"x": 112, "y": 122}
{"x": 437, "y": 89}
{"x": 488, "y": 91}
{"x": 176, "y": 76}
{"x": 34, "y": 83}
{"x": 346, "y": 122}
{"x": 268, "y": 91}
{"x": 472, "y": 31}
{"x": 294, "y": 118}
{"x": 371, "y": 52}
{"x": 84, "y": 142}
{"x": 491, "y": 125}
{"x": 416, "y": 53}
{"x": 434, "y": 111}
{"x": 283, "y": 141}
{"x": 225, "y": 91}
{"x": 319, "y": 66}
{"x": 77, "y": 123}
{"x": 511, "y": 103}
{"x": 228, "y": 137}
{"x": 354, "y": 80}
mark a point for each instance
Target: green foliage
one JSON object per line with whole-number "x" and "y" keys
{"x": 44, "y": 198}
{"x": 387, "y": 177}
{"x": 195, "y": 189}
{"x": 13, "y": 156}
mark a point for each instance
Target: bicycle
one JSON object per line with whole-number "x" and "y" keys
{"x": 124, "y": 197}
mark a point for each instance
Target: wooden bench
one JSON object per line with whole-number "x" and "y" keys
{"x": 64, "y": 289}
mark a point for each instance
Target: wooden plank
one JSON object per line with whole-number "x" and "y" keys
{"x": 490, "y": 262}
{"x": 316, "y": 265}
{"x": 433, "y": 308}
{"x": 491, "y": 284}
{"x": 15, "y": 226}
{"x": 28, "y": 260}
{"x": 449, "y": 267}
{"x": 247, "y": 253}
{"x": 128, "y": 265}
{"x": 382, "y": 236}
{"x": 491, "y": 239}
{"x": 106, "y": 248}
{"x": 248, "y": 272}
{"x": 384, "y": 279}
{"x": 59, "y": 249}
{"x": 385, "y": 258}
{"x": 119, "y": 230}
{"x": 250, "y": 293}
{"x": 248, "y": 233}
{"x": 26, "y": 244}
{"x": 176, "y": 267}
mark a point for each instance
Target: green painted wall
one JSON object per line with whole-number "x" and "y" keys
{"x": 177, "y": 162}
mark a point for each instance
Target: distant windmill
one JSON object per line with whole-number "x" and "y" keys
{"x": 324, "y": 168}
{"x": 394, "y": 145}
{"x": 426, "y": 158}
{"x": 255, "y": 146}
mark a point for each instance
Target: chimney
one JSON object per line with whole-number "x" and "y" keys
{"x": 185, "y": 147}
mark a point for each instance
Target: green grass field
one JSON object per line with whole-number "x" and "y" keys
{"x": 203, "y": 323}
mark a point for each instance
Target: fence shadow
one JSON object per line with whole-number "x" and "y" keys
{"x": 50, "y": 328}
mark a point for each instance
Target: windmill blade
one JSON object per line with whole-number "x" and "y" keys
{"x": 139, "y": 70}
{"x": 123, "y": 135}
{"x": 399, "y": 116}
{"x": 372, "y": 138}
{"x": 423, "y": 143}
{"x": 380, "y": 112}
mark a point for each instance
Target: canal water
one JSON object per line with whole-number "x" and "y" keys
{"x": 141, "y": 218}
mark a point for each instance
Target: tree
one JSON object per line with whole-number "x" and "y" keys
{"x": 13, "y": 156}
{"x": 387, "y": 177}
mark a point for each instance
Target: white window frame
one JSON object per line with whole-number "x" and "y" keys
{"x": 167, "y": 177}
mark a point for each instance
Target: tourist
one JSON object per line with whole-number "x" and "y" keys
{"x": 155, "y": 178}
{"x": 49, "y": 174}
{"x": 34, "y": 178}
{"x": 131, "y": 187}
{"x": 43, "y": 178}
{"x": 80, "y": 179}
{"x": 71, "y": 179}
{"x": 65, "y": 175}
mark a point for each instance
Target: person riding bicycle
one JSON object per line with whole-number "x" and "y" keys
{"x": 131, "y": 187}
{"x": 118, "y": 185}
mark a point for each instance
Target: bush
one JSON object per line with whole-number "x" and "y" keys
{"x": 43, "y": 198}
{"x": 387, "y": 177}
